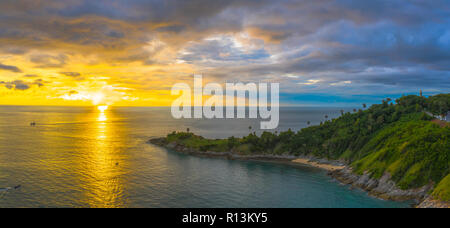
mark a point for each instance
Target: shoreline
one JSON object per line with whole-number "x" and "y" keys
{"x": 383, "y": 188}
{"x": 328, "y": 167}
{"x": 324, "y": 164}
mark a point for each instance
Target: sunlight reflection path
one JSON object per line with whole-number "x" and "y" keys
{"x": 106, "y": 184}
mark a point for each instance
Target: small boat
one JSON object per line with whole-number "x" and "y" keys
{"x": 33, "y": 124}
{"x": 10, "y": 188}
{"x": 5, "y": 189}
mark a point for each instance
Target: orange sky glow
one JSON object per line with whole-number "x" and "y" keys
{"x": 131, "y": 53}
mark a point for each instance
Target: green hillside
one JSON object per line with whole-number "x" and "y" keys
{"x": 396, "y": 137}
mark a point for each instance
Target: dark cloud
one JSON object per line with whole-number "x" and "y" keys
{"x": 172, "y": 28}
{"x": 13, "y": 50}
{"x": 19, "y": 85}
{"x": 75, "y": 75}
{"x": 22, "y": 85}
{"x": 31, "y": 76}
{"x": 71, "y": 74}
{"x": 10, "y": 68}
{"x": 39, "y": 82}
{"x": 219, "y": 51}
{"x": 48, "y": 61}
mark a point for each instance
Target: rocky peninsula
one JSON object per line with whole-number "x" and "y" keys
{"x": 383, "y": 188}
{"x": 394, "y": 151}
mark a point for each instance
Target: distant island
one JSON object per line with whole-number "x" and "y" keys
{"x": 395, "y": 151}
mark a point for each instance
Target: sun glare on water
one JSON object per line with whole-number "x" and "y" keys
{"x": 102, "y": 108}
{"x": 102, "y": 115}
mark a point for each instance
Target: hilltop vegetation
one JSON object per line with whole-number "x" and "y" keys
{"x": 396, "y": 138}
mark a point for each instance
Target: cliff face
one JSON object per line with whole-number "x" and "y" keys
{"x": 383, "y": 188}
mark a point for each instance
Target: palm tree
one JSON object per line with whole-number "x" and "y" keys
{"x": 354, "y": 110}
{"x": 364, "y": 106}
{"x": 326, "y": 118}
{"x": 250, "y": 128}
{"x": 342, "y": 112}
{"x": 308, "y": 123}
{"x": 188, "y": 130}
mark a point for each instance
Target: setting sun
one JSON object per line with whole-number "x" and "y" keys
{"x": 102, "y": 108}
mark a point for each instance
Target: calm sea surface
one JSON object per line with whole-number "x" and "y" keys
{"x": 80, "y": 157}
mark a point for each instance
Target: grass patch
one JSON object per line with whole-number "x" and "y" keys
{"x": 442, "y": 191}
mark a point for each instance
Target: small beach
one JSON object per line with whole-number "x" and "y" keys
{"x": 328, "y": 167}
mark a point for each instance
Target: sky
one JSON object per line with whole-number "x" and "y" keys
{"x": 131, "y": 52}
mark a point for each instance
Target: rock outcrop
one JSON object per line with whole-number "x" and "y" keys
{"x": 383, "y": 188}
{"x": 429, "y": 202}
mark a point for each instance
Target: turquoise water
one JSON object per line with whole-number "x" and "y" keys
{"x": 79, "y": 157}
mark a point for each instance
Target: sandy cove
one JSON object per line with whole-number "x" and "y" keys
{"x": 328, "y": 167}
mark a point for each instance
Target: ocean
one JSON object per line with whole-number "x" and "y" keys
{"x": 81, "y": 157}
